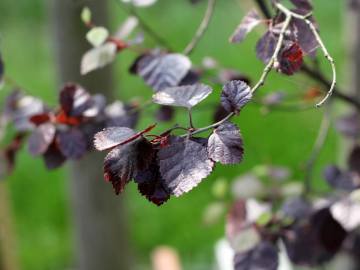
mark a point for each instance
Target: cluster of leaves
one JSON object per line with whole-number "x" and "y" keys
{"x": 298, "y": 40}
{"x": 63, "y": 133}
{"x": 309, "y": 232}
{"x": 168, "y": 164}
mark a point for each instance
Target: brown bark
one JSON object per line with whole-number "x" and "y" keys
{"x": 98, "y": 217}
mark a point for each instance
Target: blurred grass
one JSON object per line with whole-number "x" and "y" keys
{"x": 40, "y": 198}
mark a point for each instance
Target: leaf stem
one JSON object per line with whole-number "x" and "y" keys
{"x": 204, "y": 25}
{"x": 191, "y": 119}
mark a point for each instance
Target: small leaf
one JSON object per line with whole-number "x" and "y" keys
{"x": 97, "y": 36}
{"x": 349, "y": 125}
{"x": 235, "y": 95}
{"x": 226, "y": 145}
{"x": 165, "y": 114}
{"x": 263, "y": 256}
{"x": 347, "y": 213}
{"x": 183, "y": 96}
{"x": 161, "y": 71}
{"x": 127, "y": 28}
{"x": 250, "y": 21}
{"x": 290, "y": 59}
{"x": 72, "y": 143}
{"x": 121, "y": 115}
{"x": 41, "y": 138}
{"x": 98, "y": 57}
{"x": 74, "y": 100}
{"x": 126, "y": 161}
{"x": 184, "y": 164}
{"x": 112, "y": 137}
{"x": 86, "y": 15}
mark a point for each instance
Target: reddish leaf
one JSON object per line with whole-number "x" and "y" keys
{"x": 184, "y": 164}
{"x": 290, "y": 59}
{"x": 72, "y": 143}
{"x": 235, "y": 95}
{"x": 41, "y": 138}
{"x": 226, "y": 145}
{"x": 40, "y": 119}
{"x": 75, "y": 100}
{"x": 125, "y": 161}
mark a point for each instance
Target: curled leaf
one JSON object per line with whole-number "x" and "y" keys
{"x": 111, "y": 137}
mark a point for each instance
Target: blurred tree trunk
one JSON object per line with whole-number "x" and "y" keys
{"x": 98, "y": 217}
{"x": 8, "y": 256}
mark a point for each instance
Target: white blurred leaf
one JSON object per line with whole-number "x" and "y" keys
{"x": 86, "y": 15}
{"x": 97, "y": 36}
{"x": 98, "y": 57}
{"x": 140, "y": 3}
{"x": 127, "y": 28}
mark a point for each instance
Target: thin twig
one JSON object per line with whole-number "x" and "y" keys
{"x": 318, "y": 146}
{"x": 191, "y": 119}
{"x": 313, "y": 29}
{"x": 202, "y": 28}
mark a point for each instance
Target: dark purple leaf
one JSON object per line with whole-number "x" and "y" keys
{"x": 220, "y": 113}
{"x": 184, "y": 96}
{"x": 235, "y": 95}
{"x": 249, "y": 22}
{"x": 53, "y": 158}
{"x": 126, "y": 161}
{"x": 338, "y": 179}
{"x": 265, "y": 47}
{"x": 151, "y": 184}
{"x": 316, "y": 241}
{"x": 163, "y": 70}
{"x": 304, "y": 36}
{"x": 184, "y": 164}
{"x": 112, "y": 137}
{"x": 192, "y": 77}
{"x": 354, "y": 160}
{"x": 303, "y": 4}
{"x": 75, "y": 100}
{"x": 165, "y": 114}
{"x": 41, "y": 138}
{"x": 263, "y": 257}
{"x": 226, "y": 145}
{"x": 72, "y": 143}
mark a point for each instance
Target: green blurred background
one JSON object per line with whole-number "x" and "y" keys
{"x": 40, "y": 199}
